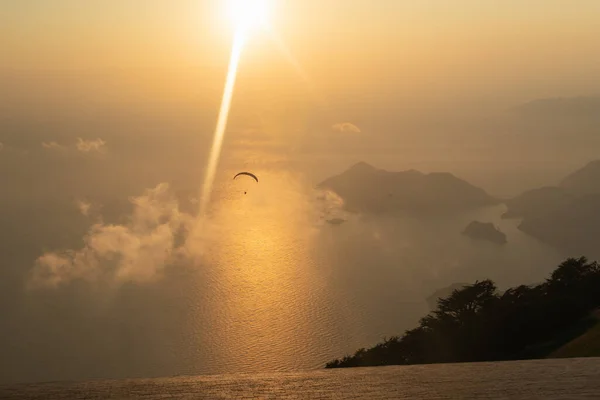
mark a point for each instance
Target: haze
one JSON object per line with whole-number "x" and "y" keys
{"x": 107, "y": 113}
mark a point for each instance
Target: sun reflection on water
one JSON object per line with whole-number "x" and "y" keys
{"x": 272, "y": 303}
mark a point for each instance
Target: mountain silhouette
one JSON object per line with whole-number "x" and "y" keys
{"x": 365, "y": 188}
{"x": 484, "y": 231}
{"x": 537, "y": 202}
{"x": 561, "y": 107}
{"x": 583, "y": 181}
{"x": 566, "y": 216}
{"x": 573, "y": 227}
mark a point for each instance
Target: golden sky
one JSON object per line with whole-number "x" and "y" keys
{"x": 548, "y": 45}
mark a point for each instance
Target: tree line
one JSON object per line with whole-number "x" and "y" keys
{"x": 478, "y": 323}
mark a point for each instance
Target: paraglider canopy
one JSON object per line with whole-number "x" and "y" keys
{"x": 247, "y": 174}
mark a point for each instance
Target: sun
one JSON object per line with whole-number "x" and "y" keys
{"x": 248, "y": 14}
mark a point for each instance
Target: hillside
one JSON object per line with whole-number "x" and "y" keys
{"x": 574, "y": 227}
{"x": 566, "y": 216}
{"x": 583, "y": 181}
{"x": 442, "y": 293}
{"x": 585, "y": 345}
{"x": 365, "y": 188}
{"x": 537, "y": 202}
{"x": 479, "y": 323}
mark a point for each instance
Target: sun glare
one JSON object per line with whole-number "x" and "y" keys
{"x": 248, "y": 14}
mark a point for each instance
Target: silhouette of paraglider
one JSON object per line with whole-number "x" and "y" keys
{"x": 247, "y": 174}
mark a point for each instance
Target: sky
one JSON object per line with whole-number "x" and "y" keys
{"x": 544, "y": 46}
{"x": 107, "y": 115}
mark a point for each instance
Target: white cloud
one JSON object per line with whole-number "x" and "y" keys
{"x": 158, "y": 235}
{"x": 53, "y": 146}
{"x": 84, "y": 207}
{"x": 330, "y": 206}
{"x": 87, "y": 146}
{"x": 82, "y": 145}
{"x": 137, "y": 251}
{"x": 346, "y": 127}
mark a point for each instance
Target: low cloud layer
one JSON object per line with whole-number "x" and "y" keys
{"x": 330, "y": 206}
{"x": 54, "y": 146}
{"x": 159, "y": 235}
{"x": 346, "y": 127}
{"x": 87, "y": 146}
{"x": 137, "y": 251}
{"x": 82, "y": 146}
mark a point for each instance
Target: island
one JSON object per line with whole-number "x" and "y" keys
{"x": 485, "y": 231}
{"x": 367, "y": 189}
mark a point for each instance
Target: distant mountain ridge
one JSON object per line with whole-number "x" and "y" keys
{"x": 537, "y": 202}
{"x": 583, "y": 181}
{"x": 574, "y": 227}
{"x": 485, "y": 231}
{"x": 561, "y": 107}
{"x": 365, "y": 188}
{"x": 566, "y": 216}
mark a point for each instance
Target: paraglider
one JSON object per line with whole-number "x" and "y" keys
{"x": 251, "y": 175}
{"x": 248, "y": 174}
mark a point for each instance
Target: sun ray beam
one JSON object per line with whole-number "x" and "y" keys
{"x": 215, "y": 151}
{"x": 247, "y": 15}
{"x": 285, "y": 51}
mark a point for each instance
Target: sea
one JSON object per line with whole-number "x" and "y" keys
{"x": 542, "y": 379}
{"x": 267, "y": 285}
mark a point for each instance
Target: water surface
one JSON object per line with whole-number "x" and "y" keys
{"x": 542, "y": 379}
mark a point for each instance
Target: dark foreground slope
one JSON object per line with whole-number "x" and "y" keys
{"x": 476, "y": 323}
{"x": 365, "y": 188}
{"x": 585, "y": 345}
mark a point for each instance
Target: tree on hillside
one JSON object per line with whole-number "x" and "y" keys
{"x": 476, "y": 323}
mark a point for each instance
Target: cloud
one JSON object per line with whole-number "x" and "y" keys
{"x": 82, "y": 145}
{"x": 87, "y": 146}
{"x": 137, "y": 251}
{"x": 84, "y": 207}
{"x": 346, "y": 127}
{"x": 158, "y": 236}
{"x": 329, "y": 205}
{"x": 53, "y": 146}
